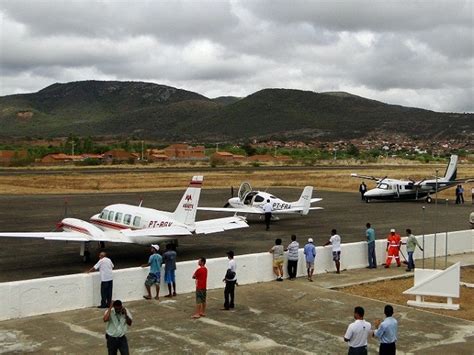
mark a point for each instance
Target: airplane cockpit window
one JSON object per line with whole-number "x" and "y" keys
{"x": 248, "y": 197}
{"x": 384, "y": 186}
{"x": 136, "y": 221}
{"x": 111, "y": 216}
{"x": 259, "y": 198}
{"x": 118, "y": 217}
{"x": 127, "y": 219}
{"x": 104, "y": 214}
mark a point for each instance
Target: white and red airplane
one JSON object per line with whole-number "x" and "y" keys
{"x": 122, "y": 223}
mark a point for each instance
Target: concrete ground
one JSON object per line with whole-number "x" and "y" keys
{"x": 343, "y": 211}
{"x": 290, "y": 317}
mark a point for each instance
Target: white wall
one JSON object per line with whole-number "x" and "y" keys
{"x": 55, "y": 294}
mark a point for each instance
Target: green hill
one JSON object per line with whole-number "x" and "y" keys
{"x": 162, "y": 112}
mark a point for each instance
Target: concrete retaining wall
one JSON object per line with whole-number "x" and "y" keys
{"x": 61, "y": 293}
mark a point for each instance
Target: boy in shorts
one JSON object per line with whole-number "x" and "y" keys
{"x": 335, "y": 241}
{"x": 154, "y": 276}
{"x": 200, "y": 275}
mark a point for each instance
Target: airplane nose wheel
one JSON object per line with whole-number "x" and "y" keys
{"x": 429, "y": 199}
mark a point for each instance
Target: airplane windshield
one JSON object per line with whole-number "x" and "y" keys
{"x": 383, "y": 186}
{"x": 244, "y": 189}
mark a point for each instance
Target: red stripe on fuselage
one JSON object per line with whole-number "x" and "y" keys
{"x": 109, "y": 224}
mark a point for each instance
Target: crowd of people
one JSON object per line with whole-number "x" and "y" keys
{"x": 118, "y": 318}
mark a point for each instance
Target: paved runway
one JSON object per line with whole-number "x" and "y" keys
{"x": 34, "y": 258}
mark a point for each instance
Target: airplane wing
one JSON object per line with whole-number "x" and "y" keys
{"x": 66, "y": 236}
{"x": 294, "y": 210}
{"x": 365, "y": 177}
{"x": 156, "y": 232}
{"x": 253, "y": 210}
{"x": 220, "y": 224}
{"x": 317, "y": 199}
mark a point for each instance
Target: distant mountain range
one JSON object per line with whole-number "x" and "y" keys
{"x": 147, "y": 110}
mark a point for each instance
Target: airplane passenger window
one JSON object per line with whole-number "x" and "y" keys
{"x": 104, "y": 214}
{"x": 259, "y": 198}
{"x": 127, "y": 219}
{"x": 136, "y": 221}
{"x": 118, "y": 217}
{"x": 111, "y": 216}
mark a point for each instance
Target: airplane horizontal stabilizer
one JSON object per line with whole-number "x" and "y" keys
{"x": 220, "y": 225}
{"x": 317, "y": 199}
{"x": 66, "y": 236}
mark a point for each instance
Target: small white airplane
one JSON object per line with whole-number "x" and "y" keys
{"x": 251, "y": 202}
{"x": 122, "y": 223}
{"x": 395, "y": 189}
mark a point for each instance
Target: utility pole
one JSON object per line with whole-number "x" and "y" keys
{"x": 142, "y": 151}
{"x": 423, "y": 238}
{"x": 436, "y": 221}
{"x": 72, "y": 147}
{"x": 446, "y": 241}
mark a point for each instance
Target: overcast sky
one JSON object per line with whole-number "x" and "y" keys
{"x": 413, "y": 53}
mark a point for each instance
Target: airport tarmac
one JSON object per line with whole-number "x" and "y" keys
{"x": 289, "y": 317}
{"x": 34, "y": 258}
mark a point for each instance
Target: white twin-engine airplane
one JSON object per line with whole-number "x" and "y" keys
{"x": 251, "y": 202}
{"x": 395, "y": 189}
{"x": 122, "y": 223}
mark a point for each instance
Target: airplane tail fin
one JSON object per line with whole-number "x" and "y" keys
{"x": 451, "y": 169}
{"x": 305, "y": 199}
{"x": 186, "y": 210}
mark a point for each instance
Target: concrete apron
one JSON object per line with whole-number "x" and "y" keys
{"x": 290, "y": 317}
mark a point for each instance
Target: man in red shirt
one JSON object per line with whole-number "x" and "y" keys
{"x": 200, "y": 275}
{"x": 394, "y": 243}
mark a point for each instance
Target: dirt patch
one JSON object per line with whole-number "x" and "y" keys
{"x": 390, "y": 291}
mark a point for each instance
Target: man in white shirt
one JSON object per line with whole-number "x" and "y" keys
{"x": 293, "y": 251}
{"x": 105, "y": 267}
{"x": 267, "y": 208}
{"x": 230, "y": 280}
{"x": 357, "y": 333}
{"x": 335, "y": 241}
{"x": 118, "y": 320}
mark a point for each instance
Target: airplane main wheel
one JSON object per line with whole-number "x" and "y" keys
{"x": 429, "y": 200}
{"x": 366, "y": 200}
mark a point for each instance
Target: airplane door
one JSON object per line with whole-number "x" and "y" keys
{"x": 398, "y": 191}
{"x": 244, "y": 189}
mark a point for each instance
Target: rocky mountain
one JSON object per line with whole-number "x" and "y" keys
{"x": 149, "y": 110}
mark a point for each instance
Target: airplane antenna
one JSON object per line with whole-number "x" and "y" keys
{"x": 141, "y": 201}
{"x": 65, "y": 206}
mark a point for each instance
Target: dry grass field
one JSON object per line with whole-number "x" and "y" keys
{"x": 336, "y": 178}
{"x": 389, "y": 291}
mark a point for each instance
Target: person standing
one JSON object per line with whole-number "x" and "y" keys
{"x": 200, "y": 275}
{"x": 461, "y": 194}
{"x": 293, "y": 250}
{"x": 458, "y": 194}
{"x": 154, "y": 276}
{"x": 268, "y": 209}
{"x": 335, "y": 241}
{"x": 357, "y": 333}
{"x": 362, "y": 190}
{"x": 310, "y": 256}
{"x": 118, "y": 320}
{"x": 386, "y": 332}
{"x": 278, "y": 255}
{"x": 105, "y": 267}
{"x": 394, "y": 243}
{"x": 370, "y": 234}
{"x": 230, "y": 280}
{"x": 169, "y": 258}
{"x": 412, "y": 242}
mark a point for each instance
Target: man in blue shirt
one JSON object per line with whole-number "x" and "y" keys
{"x": 154, "y": 276}
{"x": 386, "y": 332}
{"x": 310, "y": 255}
{"x": 370, "y": 234}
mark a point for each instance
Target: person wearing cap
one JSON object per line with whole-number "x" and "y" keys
{"x": 310, "y": 255}
{"x": 105, "y": 267}
{"x": 394, "y": 242}
{"x": 154, "y": 276}
{"x": 230, "y": 280}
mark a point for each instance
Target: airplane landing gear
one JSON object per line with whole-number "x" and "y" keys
{"x": 84, "y": 252}
{"x": 429, "y": 199}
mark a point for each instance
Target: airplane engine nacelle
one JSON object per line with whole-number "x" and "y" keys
{"x": 78, "y": 225}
